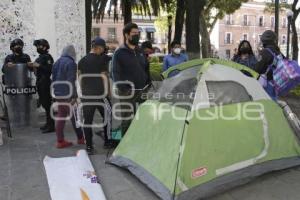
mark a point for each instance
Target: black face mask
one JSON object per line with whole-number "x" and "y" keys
{"x": 41, "y": 51}
{"x": 134, "y": 40}
{"x": 245, "y": 50}
{"x": 18, "y": 50}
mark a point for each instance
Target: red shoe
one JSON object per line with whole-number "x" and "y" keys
{"x": 63, "y": 144}
{"x": 81, "y": 141}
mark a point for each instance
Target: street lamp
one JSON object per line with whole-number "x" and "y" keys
{"x": 289, "y": 15}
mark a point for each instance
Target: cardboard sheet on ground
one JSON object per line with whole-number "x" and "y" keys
{"x": 73, "y": 178}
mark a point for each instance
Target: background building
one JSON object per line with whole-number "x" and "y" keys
{"x": 248, "y": 23}
{"x": 112, "y": 31}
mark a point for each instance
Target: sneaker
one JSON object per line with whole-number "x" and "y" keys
{"x": 44, "y": 127}
{"x": 49, "y": 130}
{"x": 63, "y": 144}
{"x": 110, "y": 144}
{"x": 90, "y": 150}
{"x": 81, "y": 141}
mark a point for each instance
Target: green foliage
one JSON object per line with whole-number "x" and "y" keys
{"x": 155, "y": 69}
{"x": 222, "y": 8}
{"x": 161, "y": 24}
{"x": 270, "y": 7}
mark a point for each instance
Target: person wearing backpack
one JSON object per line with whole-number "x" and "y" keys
{"x": 278, "y": 75}
{"x": 269, "y": 41}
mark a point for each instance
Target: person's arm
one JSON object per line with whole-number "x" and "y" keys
{"x": 116, "y": 68}
{"x": 262, "y": 65}
{"x": 6, "y": 61}
{"x": 186, "y": 57}
{"x": 54, "y": 71}
{"x": 71, "y": 77}
{"x": 165, "y": 65}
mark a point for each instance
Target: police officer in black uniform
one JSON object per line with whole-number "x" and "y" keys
{"x": 43, "y": 70}
{"x": 17, "y": 56}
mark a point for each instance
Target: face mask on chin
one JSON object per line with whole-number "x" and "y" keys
{"x": 134, "y": 40}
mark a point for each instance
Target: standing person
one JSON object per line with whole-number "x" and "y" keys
{"x": 43, "y": 69}
{"x": 269, "y": 41}
{"x": 245, "y": 55}
{"x": 17, "y": 56}
{"x": 95, "y": 91}
{"x": 64, "y": 69}
{"x": 147, "y": 49}
{"x": 129, "y": 64}
{"x": 175, "y": 58}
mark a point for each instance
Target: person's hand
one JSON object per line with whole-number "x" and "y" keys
{"x": 10, "y": 64}
{"x": 73, "y": 101}
{"x": 33, "y": 64}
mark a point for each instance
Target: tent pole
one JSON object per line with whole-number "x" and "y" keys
{"x": 179, "y": 155}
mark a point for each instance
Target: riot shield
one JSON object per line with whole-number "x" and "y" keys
{"x": 19, "y": 93}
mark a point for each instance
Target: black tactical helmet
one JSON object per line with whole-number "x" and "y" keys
{"x": 16, "y": 42}
{"x": 42, "y": 42}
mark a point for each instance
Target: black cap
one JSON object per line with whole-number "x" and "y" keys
{"x": 42, "y": 42}
{"x": 98, "y": 41}
{"x": 16, "y": 42}
{"x": 146, "y": 44}
{"x": 268, "y": 37}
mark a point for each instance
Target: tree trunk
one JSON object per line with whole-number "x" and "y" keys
{"x": 88, "y": 25}
{"x": 169, "y": 32}
{"x": 294, "y": 40}
{"x": 127, "y": 11}
{"x": 192, "y": 27}
{"x": 180, "y": 11}
{"x": 205, "y": 37}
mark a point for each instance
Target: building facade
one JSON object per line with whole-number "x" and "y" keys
{"x": 249, "y": 23}
{"x": 112, "y": 31}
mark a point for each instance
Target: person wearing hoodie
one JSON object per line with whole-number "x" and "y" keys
{"x": 269, "y": 41}
{"x": 65, "y": 69}
{"x": 130, "y": 65}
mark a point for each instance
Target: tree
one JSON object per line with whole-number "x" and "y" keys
{"x": 88, "y": 24}
{"x": 144, "y": 7}
{"x": 208, "y": 19}
{"x": 296, "y": 12}
{"x": 193, "y": 7}
{"x": 179, "y": 19}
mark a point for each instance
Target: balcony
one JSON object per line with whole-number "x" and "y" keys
{"x": 228, "y": 41}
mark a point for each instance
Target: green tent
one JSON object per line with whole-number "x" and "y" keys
{"x": 208, "y": 129}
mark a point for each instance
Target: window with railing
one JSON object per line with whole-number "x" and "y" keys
{"x": 284, "y": 22}
{"x": 228, "y": 53}
{"x": 246, "y": 20}
{"x": 272, "y": 22}
{"x": 228, "y": 38}
{"x": 111, "y": 34}
{"x": 229, "y": 19}
{"x": 283, "y": 39}
{"x": 95, "y": 32}
{"x": 261, "y": 21}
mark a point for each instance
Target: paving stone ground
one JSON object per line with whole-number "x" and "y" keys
{"x": 22, "y": 174}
